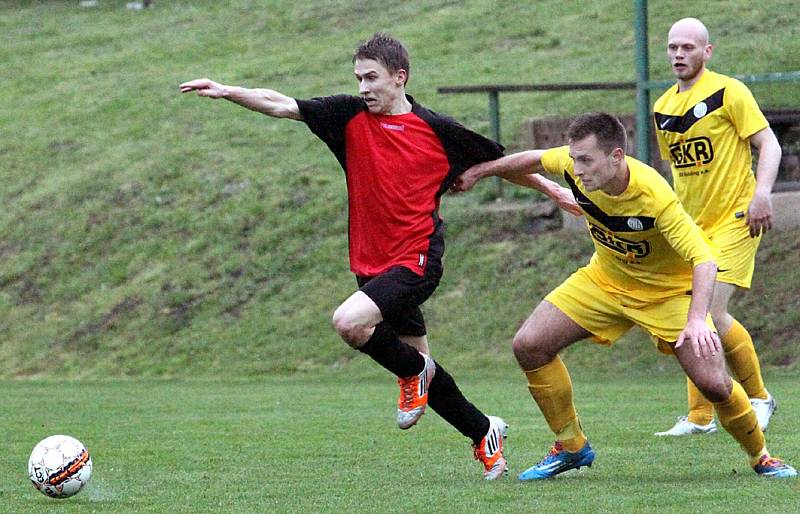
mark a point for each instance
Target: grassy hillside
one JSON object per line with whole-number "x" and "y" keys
{"x": 148, "y": 233}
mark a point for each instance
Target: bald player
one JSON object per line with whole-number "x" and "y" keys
{"x": 705, "y": 125}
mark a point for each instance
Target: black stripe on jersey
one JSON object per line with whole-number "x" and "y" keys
{"x": 462, "y": 147}
{"x": 613, "y": 223}
{"x": 681, "y": 124}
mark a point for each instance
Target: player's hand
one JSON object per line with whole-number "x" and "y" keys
{"x": 204, "y": 87}
{"x": 564, "y": 198}
{"x": 465, "y": 181}
{"x": 759, "y": 214}
{"x": 704, "y": 341}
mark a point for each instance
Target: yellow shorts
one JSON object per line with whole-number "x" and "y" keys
{"x": 608, "y": 316}
{"x": 737, "y": 251}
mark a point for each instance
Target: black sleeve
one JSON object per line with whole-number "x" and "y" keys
{"x": 327, "y": 118}
{"x": 464, "y": 148}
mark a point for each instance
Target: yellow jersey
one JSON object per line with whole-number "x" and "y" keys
{"x": 645, "y": 243}
{"x": 704, "y": 133}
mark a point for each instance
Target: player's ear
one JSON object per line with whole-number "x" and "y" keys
{"x": 617, "y": 154}
{"x": 401, "y": 77}
{"x": 709, "y": 49}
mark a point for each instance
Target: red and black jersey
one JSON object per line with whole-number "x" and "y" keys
{"x": 397, "y": 168}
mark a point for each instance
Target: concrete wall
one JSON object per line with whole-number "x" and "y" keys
{"x": 785, "y": 209}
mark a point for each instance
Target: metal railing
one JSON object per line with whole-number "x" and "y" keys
{"x": 642, "y": 88}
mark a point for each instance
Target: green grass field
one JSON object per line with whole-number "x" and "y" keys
{"x": 329, "y": 444}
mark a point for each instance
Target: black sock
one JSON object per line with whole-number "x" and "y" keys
{"x": 389, "y": 351}
{"x": 446, "y": 399}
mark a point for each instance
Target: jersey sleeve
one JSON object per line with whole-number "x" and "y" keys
{"x": 743, "y": 110}
{"x": 556, "y": 160}
{"x": 688, "y": 240}
{"x": 463, "y": 147}
{"x": 327, "y": 118}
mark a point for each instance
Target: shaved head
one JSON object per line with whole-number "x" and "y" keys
{"x": 690, "y": 28}
{"x": 688, "y": 50}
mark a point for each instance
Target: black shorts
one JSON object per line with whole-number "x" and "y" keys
{"x": 398, "y": 293}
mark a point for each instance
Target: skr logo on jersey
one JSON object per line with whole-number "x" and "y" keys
{"x": 692, "y": 152}
{"x": 629, "y": 249}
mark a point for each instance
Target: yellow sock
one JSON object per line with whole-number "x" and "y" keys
{"x": 701, "y": 411}
{"x": 551, "y": 389}
{"x": 743, "y": 361}
{"x": 737, "y": 416}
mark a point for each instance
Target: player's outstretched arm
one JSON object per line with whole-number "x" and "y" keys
{"x": 517, "y": 164}
{"x": 520, "y": 168}
{"x": 265, "y": 101}
{"x": 562, "y": 196}
{"x": 704, "y": 341}
{"x": 759, "y": 212}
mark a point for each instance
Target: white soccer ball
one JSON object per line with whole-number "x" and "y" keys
{"x": 59, "y": 466}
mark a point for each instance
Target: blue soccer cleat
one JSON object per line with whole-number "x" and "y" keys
{"x": 773, "y": 467}
{"x": 558, "y": 461}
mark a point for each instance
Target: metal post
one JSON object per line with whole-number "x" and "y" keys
{"x": 494, "y": 127}
{"x": 642, "y": 78}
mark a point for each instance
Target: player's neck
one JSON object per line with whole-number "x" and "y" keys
{"x": 685, "y": 85}
{"x": 401, "y": 105}
{"x": 619, "y": 182}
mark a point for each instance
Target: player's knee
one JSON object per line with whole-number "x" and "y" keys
{"x": 715, "y": 388}
{"x": 525, "y": 347}
{"x": 351, "y": 332}
{"x": 344, "y": 326}
{"x": 719, "y": 315}
{"x": 520, "y": 344}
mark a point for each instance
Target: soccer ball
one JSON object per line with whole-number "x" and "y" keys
{"x": 59, "y": 466}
